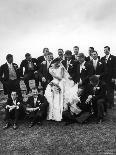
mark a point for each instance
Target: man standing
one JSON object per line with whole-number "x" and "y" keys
{"x": 76, "y": 52}
{"x": 89, "y": 58}
{"x": 84, "y": 70}
{"x": 43, "y": 72}
{"x": 30, "y": 65}
{"x": 69, "y": 64}
{"x": 10, "y": 77}
{"x": 43, "y": 57}
{"x": 110, "y": 74}
{"x": 98, "y": 66}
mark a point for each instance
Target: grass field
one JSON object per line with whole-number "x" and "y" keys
{"x": 54, "y": 138}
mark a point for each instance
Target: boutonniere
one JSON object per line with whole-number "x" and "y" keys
{"x": 44, "y": 62}
{"x": 71, "y": 65}
{"x": 99, "y": 63}
{"x": 83, "y": 67}
{"x": 110, "y": 59}
{"x": 18, "y": 103}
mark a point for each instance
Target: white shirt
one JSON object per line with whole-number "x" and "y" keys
{"x": 82, "y": 66}
{"x": 35, "y": 100}
{"x": 95, "y": 63}
{"x": 68, "y": 63}
{"x": 107, "y": 57}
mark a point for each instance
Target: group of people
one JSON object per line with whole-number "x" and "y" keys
{"x": 73, "y": 87}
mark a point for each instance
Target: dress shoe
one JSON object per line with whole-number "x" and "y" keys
{"x": 31, "y": 124}
{"x": 39, "y": 123}
{"x": 15, "y": 126}
{"x": 6, "y": 126}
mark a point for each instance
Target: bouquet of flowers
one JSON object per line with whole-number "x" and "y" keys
{"x": 55, "y": 87}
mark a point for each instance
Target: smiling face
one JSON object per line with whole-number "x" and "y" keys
{"x": 13, "y": 95}
{"x": 106, "y": 51}
{"x": 35, "y": 92}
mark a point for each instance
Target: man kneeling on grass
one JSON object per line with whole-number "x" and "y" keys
{"x": 12, "y": 110}
{"x": 36, "y": 107}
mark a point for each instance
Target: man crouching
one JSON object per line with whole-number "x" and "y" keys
{"x": 36, "y": 107}
{"x": 12, "y": 110}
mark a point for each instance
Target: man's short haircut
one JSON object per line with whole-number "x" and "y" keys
{"x": 45, "y": 49}
{"x": 92, "y": 48}
{"x": 81, "y": 55}
{"x": 27, "y": 55}
{"x": 76, "y": 47}
{"x": 95, "y": 52}
{"x": 60, "y": 49}
{"x": 49, "y": 53}
{"x": 107, "y": 47}
{"x": 68, "y": 52}
{"x": 9, "y": 56}
{"x": 94, "y": 79}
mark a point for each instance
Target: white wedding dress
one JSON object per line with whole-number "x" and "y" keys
{"x": 58, "y": 99}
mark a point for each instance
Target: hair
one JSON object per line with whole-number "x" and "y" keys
{"x": 76, "y": 47}
{"x": 9, "y": 56}
{"x": 94, "y": 79}
{"x": 57, "y": 60}
{"x": 95, "y": 52}
{"x": 81, "y": 55}
{"x": 49, "y": 53}
{"x": 107, "y": 47}
{"x": 68, "y": 52}
{"x": 60, "y": 49}
{"x": 27, "y": 54}
{"x": 92, "y": 48}
{"x": 45, "y": 49}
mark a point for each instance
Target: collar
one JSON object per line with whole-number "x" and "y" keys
{"x": 82, "y": 64}
{"x": 9, "y": 65}
{"x": 107, "y": 56}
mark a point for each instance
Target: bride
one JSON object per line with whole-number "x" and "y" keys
{"x": 60, "y": 91}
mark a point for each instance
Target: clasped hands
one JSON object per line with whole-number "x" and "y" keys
{"x": 12, "y": 107}
{"x": 32, "y": 109}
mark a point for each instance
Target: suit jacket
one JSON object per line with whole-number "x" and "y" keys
{"x": 71, "y": 69}
{"x": 10, "y": 102}
{"x": 41, "y": 102}
{"x": 44, "y": 72}
{"x": 110, "y": 65}
{"x": 24, "y": 64}
{"x": 86, "y": 72}
{"x": 99, "y": 93}
{"x": 4, "y": 72}
{"x": 40, "y": 60}
{"x": 88, "y": 58}
{"x": 100, "y": 69}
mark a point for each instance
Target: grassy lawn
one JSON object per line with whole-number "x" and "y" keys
{"x": 54, "y": 138}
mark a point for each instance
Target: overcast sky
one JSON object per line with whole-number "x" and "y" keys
{"x": 31, "y": 25}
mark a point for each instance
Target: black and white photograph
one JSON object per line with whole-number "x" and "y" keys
{"x": 57, "y": 77}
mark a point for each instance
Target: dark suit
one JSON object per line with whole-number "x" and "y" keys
{"x": 40, "y": 60}
{"x": 10, "y": 85}
{"x": 15, "y": 113}
{"x": 110, "y": 73}
{"x": 44, "y": 72}
{"x": 29, "y": 73}
{"x": 99, "y": 99}
{"x": 99, "y": 70}
{"x": 42, "y": 103}
{"x": 89, "y": 59}
{"x": 71, "y": 69}
{"x": 84, "y": 75}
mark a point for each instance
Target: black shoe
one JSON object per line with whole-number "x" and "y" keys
{"x": 100, "y": 121}
{"x": 31, "y": 124}
{"x": 6, "y": 126}
{"x": 39, "y": 123}
{"x": 15, "y": 126}
{"x": 67, "y": 123}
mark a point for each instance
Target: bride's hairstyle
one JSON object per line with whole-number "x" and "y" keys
{"x": 55, "y": 61}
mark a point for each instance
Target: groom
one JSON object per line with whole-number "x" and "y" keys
{"x": 68, "y": 63}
